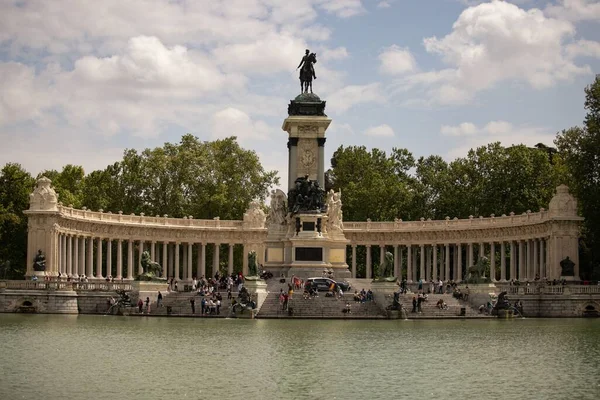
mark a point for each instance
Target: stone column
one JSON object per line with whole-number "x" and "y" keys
{"x": 245, "y": 261}
{"x": 427, "y": 253}
{"x": 109, "y": 257}
{"x": 543, "y": 272}
{"x": 353, "y": 261}
{"x": 130, "y": 259}
{"x": 99, "y": 258}
{"x": 292, "y": 157}
{"x": 76, "y": 255}
{"x": 321, "y": 165}
{"x": 119, "y": 259}
{"x": 381, "y": 257}
{"x": 368, "y": 269}
{"x": 470, "y": 259}
{"x": 58, "y": 253}
{"x": 203, "y": 259}
{"x": 70, "y": 255}
{"x": 422, "y": 263}
{"x": 434, "y": 266}
{"x": 140, "y": 251}
{"x": 176, "y": 266}
{"x": 165, "y": 256}
{"x": 502, "y": 262}
{"x": 493, "y": 261}
{"x": 82, "y": 256}
{"x": 171, "y": 252}
{"x": 396, "y": 263}
{"x": 189, "y": 261}
{"x": 90, "y": 258}
{"x": 409, "y": 266}
{"x": 536, "y": 265}
{"x": 400, "y": 257}
{"x": 458, "y": 277}
{"x": 513, "y": 263}
{"x": 216, "y": 257}
{"x": 153, "y": 251}
{"x": 481, "y": 251}
{"x": 230, "y": 260}
{"x": 446, "y": 276}
{"x": 184, "y": 262}
{"x": 529, "y": 267}
{"x": 522, "y": 263}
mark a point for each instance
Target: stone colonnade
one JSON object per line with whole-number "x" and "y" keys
{"x": 82, "y": 242}
{"x": 522, "y": 260}
{"x": 93, "y": 257}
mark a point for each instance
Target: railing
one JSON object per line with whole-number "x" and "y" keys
{"x": 559, "y": 289}
{"x": 215, "y": 223}
{"x": 451, "y": 224}
{"x": 64, "y": 285}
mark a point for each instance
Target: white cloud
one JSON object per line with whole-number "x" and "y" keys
{"x": 575, "y": 10}
{"x": 464, "y": 129}
{"x": 496, "y": 42}
{"x": 380, "y": 131}
{"x": 339, "y": 53}
{"x": 233, "y": 122}
{"x": 384, "y": 4}
{"x": 343, "y": 8}
{"x": 584, "y": 48}
{"x": 351, "y": 95}
{"x": 395, "y": 61}
{"x": 467, "y": 136}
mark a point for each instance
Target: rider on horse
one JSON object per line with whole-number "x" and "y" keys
{"x": 307, "y": 72}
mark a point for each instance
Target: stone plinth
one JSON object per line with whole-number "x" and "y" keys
{"x": 149, "y": 289}
{"x": 258, "y": 291}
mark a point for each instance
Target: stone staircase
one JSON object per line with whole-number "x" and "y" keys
{"x": 179, "y": 304}
{"x": 319, "y": 307}
{"x": 430, "y": 310}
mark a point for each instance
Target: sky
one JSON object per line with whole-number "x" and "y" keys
{"x": 81, "y": 81}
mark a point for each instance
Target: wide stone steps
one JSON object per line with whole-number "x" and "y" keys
{"x": 180, "y": 306}
{"x": 318, "y": 307}
{"x": 430, "y": 310}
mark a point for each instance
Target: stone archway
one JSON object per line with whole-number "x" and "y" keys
{"x": 591, "y": 310}
{"x": 26, "y": 306}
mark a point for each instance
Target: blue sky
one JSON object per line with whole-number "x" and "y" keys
{"x": 80, "y": 81}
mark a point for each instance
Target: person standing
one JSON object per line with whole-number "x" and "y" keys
{"x": 159, "y": 299}
{"x": 147, "y": 305}
{"x": 193, "y": 304}
{"x": 140, "y": 305}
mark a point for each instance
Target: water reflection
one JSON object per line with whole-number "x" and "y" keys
{"x": 94, "y": 357}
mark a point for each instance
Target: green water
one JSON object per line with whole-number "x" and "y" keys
{"x": 95, "y": 357}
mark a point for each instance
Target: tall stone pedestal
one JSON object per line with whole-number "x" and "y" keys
{"x": 258, "y": 291}
{"x": 305, "y": 243}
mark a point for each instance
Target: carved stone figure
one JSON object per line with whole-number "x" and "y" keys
{"x": 387, "y": 268}
{"x": 476, "y": 273}
{"x": 334, "y": 211}
{"x": 43, "y": 198}
{"x": 255, "y": 217}
{"x": 567, "y": 267}
{"x": 307, "y": 71}
{"x": 307, "y": 195}
{"x": 39, "y": 262}
{"x": 149, "y": 266}
{"x": 252, "y": 267}
{"x": 278, "y": 209}
{"x": 563, "y": 203}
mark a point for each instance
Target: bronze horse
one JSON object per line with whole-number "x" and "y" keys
{"x": 307, "y": 73}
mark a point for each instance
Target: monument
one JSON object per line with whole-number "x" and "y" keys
{"x": 305, "y": 227}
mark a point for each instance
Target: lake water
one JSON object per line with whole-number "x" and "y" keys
{"x": 96, "y": 357}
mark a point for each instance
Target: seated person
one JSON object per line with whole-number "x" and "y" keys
{"x": 440, "y": 303}
{"x": 347, "y": 309}
{"x": 357, "y": 296}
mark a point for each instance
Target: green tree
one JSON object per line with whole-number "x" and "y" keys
{"x": 373, "y": 185}
{"x": 201, "y": 179}
{"x": 579, "y": 147}
{"x": 15, "y": 186}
